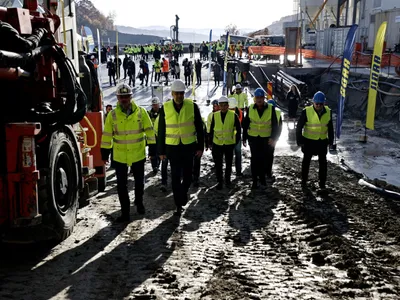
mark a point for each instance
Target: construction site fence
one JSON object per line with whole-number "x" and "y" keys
{"x": 359, "y": 58}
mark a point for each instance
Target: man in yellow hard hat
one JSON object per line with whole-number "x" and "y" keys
{"x": 180, "y": 137}
{"x": 125, "y": 132}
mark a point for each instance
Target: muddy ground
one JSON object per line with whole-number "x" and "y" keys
{"x": 278, "y": 243}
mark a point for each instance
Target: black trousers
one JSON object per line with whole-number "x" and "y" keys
{"x": 309, "y": 149}
{"x": 112, "y": 77}
{"x": 166, "y": 76}
{"x": 157, "y": 76}
{"x": 198, "y": 77}
{"x": 218, "y": 153}
{"x": 196, "y": 167}
{"x": 164, "y": 171}
{"x": 181, "y": 161}
{"x": 187, "y": 79}
{"x": 121, "y": 171}
{"x": 262, "y": 156}
{"x": 145, "y": 76}
{"x": 125, "y": 70}
{"x": 132, "y": 79}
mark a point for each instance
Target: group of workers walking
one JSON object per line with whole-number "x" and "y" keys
{"x": 176, "y": 134}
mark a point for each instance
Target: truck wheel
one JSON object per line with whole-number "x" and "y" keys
{"x": 61, "y": 188}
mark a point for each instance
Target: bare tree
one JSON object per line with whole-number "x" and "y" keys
{"x": 232, "y": 29}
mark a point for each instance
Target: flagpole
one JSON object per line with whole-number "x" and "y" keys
{"x": 209, "y": 69}
{"x": 116, "y": 55}
{"x": 225, "y": 93}
{"x": 99, "y": 56}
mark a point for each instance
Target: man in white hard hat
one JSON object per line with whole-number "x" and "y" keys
{"x": 225, "y": 132}
{"x": 241, "y": 98}
{"x": 153, "y": 114}
{"x": 125, "y": 132}
{"x": 238, "y": 146}
{"x": 180, "y": 137}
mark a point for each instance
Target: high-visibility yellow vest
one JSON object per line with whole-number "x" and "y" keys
{"x": 209, "y": 120}
{"x": 316, "y": 128}
{"x": 260, "y": 126}
{"x": 179, "y": 127}
{"x": 126, "y": 134}
{"x": 242, "y": 100}
{"x": 157, "y": 66}
{"x": 155, "y": 124}
{"x": 278, "y": 114}
{"x": 224, "y": 133}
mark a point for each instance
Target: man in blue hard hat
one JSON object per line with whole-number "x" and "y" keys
{"x": 260, "y": 128}
{"x": 314, "y": 133}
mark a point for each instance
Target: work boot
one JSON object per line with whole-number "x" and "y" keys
{"x": 163, "y": 188}
{"x": 228, "y": 184}
{"x": 270, "y": 179}
{"x": 178, "y": 211}
{"x": 122, "y": 219}
{"x": 195, "y": 183}
{"x": 219, "y": 186}
{"x": 155, "y": 170}
{"x": 140, "y": 209}
{"x": 263, "y": 182}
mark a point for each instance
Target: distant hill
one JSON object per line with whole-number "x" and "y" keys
{"x": 276, "y": 27}
{"x": 186, "y": 35}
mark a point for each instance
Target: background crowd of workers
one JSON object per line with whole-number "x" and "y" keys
{"x": 167, "y": 65}
{"x": 176, "y": 134}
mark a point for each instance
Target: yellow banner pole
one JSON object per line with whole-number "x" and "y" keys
{"x": 374, "y": 77}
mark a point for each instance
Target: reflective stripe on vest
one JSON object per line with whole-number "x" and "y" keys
{"x": 179, "y": 127}
{"x": 224, "y": 133}
{"x": 260, "y": 126}
{"x": 316, "y": 128}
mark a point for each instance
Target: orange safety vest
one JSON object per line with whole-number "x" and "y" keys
{"x": 165, "y": 66}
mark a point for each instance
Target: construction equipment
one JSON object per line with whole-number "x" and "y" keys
{"x": 50, "y": 129}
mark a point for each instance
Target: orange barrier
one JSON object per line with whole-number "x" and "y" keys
{"x": 359, "y": 58}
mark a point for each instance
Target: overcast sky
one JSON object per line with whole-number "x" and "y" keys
{"x": 197, "y": 13}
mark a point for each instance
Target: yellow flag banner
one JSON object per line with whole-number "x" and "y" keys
{"x": 374, "y": 77}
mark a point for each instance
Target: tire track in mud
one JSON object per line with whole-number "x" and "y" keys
{"x": 347, "y": 235}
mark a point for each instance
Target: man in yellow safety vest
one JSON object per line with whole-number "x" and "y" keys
{"x": 180, "y": 137}
{"x": 241, "y": 98}
{"x": 314, "y": 132}
{"x": 225, "y": 132}
{"x": 125, "y": 132}
{"x": 260, "y": 127}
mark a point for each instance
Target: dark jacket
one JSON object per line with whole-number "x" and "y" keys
{"x": 198, "y": 66}
{"x": 125, "y": 62}
{"x": 237, "y": 126}
{"x": 274, "y": 123}
{"x": 157, "y": 54}
{"x": 111, "y": 68}
{"x": 131, "y": 68}
{"x": 168, "y": 149}
{"x": 301, "y": 140}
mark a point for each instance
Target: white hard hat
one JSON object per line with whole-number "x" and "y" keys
{"x": 232, "y": 103}
{"x": 124, "y": 89}
{"x": 92, "y": 57}
{"x": 238, "y": 86}
{"x": 223, "y": 99}
{"x": 155, "y": 100}
{"x": 178, "y": 86}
